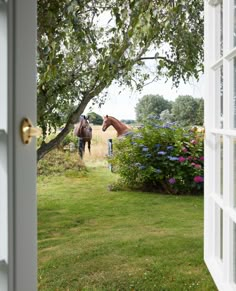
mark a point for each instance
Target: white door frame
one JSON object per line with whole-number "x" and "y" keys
{"x": 18, "y": 255}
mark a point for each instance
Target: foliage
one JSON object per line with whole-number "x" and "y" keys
{"x": 70, "y": 138}
{"x": 128, "y": 121}
{"x": 79, "y": 55}
{"x": 95, "y": 118}
{"x": 161, "y": 158}
{"x": 166, "y": 116}
{"x": 58, "y": 162}
{"x": 151, "y": 105}
{"x": 188, "y": 111}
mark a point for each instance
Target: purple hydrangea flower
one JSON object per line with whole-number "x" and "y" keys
{"x": 181, "y": 159}
{"x": 198, "y": 179}
{"x": 172, "y": 181}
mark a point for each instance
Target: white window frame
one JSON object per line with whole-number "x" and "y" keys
{"x": 221, "y": 269}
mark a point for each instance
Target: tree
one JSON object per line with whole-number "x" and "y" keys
{"x": 151, "y": 105}
{"x": 95, "y": 118}
{"x": 79, "y": 57}
{"x": 200, "y": 112}
{"x": 166, "y": 116}
{"x": 188, "y": 111}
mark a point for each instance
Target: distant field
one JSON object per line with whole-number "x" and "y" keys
{"x": 99, "y": 146}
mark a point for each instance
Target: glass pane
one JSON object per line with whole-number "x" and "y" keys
{"x": 219, "y": 98}
{"x": 219, "y": 165}
{"x": 219, "y": 29}
{"x": 234, "y": 252}
{"x": 234, "y": 93}
{"x": 234, "y": 22}
{"x": 219, "y": 232}
{"x": 234, "y": 169}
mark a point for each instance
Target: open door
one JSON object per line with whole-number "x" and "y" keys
{"x": 18, "y": 232}
{"x": 220, "y": 142}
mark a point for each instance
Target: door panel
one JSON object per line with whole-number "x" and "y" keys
{"x": 18, "y": 232}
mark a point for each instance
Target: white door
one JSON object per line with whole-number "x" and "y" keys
{"x": 220, "y": 142}
{"x": 18, "y": 256}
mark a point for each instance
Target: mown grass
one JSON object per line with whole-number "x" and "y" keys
{"x": 90, "y": 238}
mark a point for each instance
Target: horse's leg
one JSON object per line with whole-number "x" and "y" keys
{"x": 89, "y": 146}
{"x": 84, "y": 142}
{"x": 80, "y": 148}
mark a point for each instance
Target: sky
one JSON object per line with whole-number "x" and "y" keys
{"x": 122, "y": 105}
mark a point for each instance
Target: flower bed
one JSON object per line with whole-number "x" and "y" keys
{"x": 160, "y": 157}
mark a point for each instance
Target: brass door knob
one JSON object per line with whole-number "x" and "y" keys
{"x": 28, "y": 131}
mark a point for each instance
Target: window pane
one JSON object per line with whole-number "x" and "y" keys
{"x": 219, "y": 232}
{"x": 221, "y": 29}
{"x": 219, "y": 98}
{"x": 234, "y": 169}
{"x": 234, "y": 93}
{"x": 234, "y": 252}
{"x": 234, "y": 22}
{"x": 219, "y": 165}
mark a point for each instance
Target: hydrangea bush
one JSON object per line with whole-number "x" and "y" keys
{"x": 159, "y": 157}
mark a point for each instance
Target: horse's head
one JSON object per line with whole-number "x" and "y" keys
{"x": 106, "y": 123}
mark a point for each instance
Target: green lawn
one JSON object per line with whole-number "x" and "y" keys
{"x": 90, "y": 238}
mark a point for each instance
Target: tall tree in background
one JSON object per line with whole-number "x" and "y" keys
{"x": 95, "y": 118}
{"x": 188, "y": 111}
{"x": 151, "y": 105}
{"x": 79, "y": 55}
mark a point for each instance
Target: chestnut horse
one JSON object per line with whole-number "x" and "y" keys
{"x": 84, "y": 132}
{"x": 121, "y": 128}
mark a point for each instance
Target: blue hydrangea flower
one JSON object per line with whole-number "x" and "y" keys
{"x": 145, "y": 149}
{"x": 158, "y": 171}
{"x": 173, "y": 158}
{"x": 169, "y": 148}
{"x": 161, "y": 153}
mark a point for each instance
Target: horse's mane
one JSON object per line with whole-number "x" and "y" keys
{"x": 112, "y": 117}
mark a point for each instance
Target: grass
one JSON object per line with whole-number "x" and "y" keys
{"x": 90, "y": 238}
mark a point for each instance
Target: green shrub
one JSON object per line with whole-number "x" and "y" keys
{"x": 160, "y": 157}
{"x": 70, "y": 138}
{"x": 58, "y": 162}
